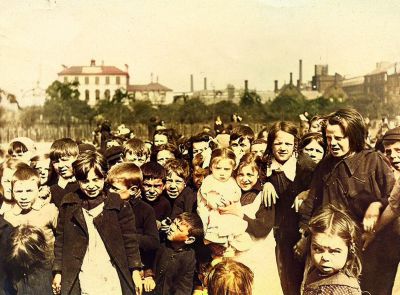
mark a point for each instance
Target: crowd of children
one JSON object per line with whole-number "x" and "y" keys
{"x": 221, "y": 212}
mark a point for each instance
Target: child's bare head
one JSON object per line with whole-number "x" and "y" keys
{"x": 25, "y": 187}
{"x": 187, "y": 228}
{"x": 125, "y": 179}
{"x": 64, "y": 147}
{"x": 230, "y": 277}
{"x": 136, "y": 151}
{"x": 28, "y": 248}
{"x": 153, "y": 180}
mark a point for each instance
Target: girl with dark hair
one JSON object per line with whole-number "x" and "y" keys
{"x": 98, "y": 230}
{"x": 287, "y": 174}
{"x": 357, "y": 180}
{"x": 334, "y": 254}
{"x": 313, "y": 144}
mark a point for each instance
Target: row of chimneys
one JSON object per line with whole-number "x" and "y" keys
{"x": 192, "y": 83}
{"x": 299, "y": 81}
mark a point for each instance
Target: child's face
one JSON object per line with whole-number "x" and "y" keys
{"x": 160, "y": 139}
{"x": 153, "y": 188}
{"x": 314, "y": 150}
{"x": 283, "y": 146}
{"x": 63, "y": 166}
{"x": 178, "y": 231}
{"x": 174, "y": 185}
{"x": 136, "y": 159}
{"x": 222, "y": 170}
{"x": 93, "y": 185}
{"x": 259, "y": 149}
{"x": 23, "y": 156}
{"x": 240, "y": 146}
{"x": 328, "y": 252}
{"x": 120, "y": 188}
{"x": 247, "y": 177}
{"x": 25, "y": 193}
{"x": 6, "y": 182}
{"x": 199, "y": 147}
{"x": 198, "y": 176}
{"x": 163, "y": 156}
{"x": 392, "y": 152}
{"x": 43, "y": 167}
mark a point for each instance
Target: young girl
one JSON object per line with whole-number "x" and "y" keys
{"x": 22, "y": 148}
{"x": 28, "y": 261}
{"x": 313, "y": 145}
{"x": 217, "y": 191}
{"x": 334, "y": 254}
{"x": 98, "y": 231}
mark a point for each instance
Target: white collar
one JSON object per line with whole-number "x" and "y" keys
{"x": 62, "y": 182}
{"x": 289, "y": 167}
{"x": 39, "y": 203}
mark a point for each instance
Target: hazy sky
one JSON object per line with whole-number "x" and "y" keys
{"x": 228, "y": 41}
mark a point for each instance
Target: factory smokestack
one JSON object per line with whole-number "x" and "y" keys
{"x": 205, "y": 83}
{"x": 291, "y": 78}
{"x": 246, "y": 86}
{"x": 276, "y": 86}
{"x": 301, "y": 71}
{"x": 191, "y": 83}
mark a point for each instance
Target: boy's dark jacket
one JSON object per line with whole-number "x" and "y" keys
{"x": 174, "y": 269}
{"x": 116, "y": 226}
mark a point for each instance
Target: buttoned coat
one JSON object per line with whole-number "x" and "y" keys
{"x": 116, "y": 226}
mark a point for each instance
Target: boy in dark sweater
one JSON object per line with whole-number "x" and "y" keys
{"x": 153, "y": 190}
{"x": 63, "y": 152}
{"x": 175, "y": 261}
{"x": 125, "y": 179}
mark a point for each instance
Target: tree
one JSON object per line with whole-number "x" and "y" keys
{"x": 63, "y": 107}
{"x": 194, "y": 111}
{"x": 29, "y": 116}
{"x": 143, "y": 111}
{"x": 250, "y": 98}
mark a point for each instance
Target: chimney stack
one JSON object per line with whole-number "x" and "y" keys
{"x": 291, "y": 78}
{"x": 298, "y": 84}
{"x": 315, "y": 70}
{"x": 126, "y": 68}
{"x": 276, "y": 86}
{"x": 246, "y": 86}
{"x": 92, "y": 63}
{"x": 191, "y": 83}
{"x": 300, "y": 71}
{"x": 205, "y": 83}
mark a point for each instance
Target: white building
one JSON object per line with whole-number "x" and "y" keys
{"x": 154, "y": 92}
{"x": 96, "y": 82}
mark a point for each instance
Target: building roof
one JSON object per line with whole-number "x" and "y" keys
{"x": 353, "y": 81}
{"x": 92, "y": 70}
{"x": 382, "y": 67}
{"x": 311, "y": 94}
{"x": 149, "y": 87}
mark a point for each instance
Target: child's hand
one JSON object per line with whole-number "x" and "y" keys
{"x": 234, "y": 209}
{"x": 164, "y": 224}
{"x": 56, "y": 285}
{"x": 158, "y": 223}
{"x": 137, "y": 280}
{"x": 269, "y": 194}
{"x": 149, "y": 284}
{"x": 371, "y": 216}
{"x": 367, "y": 238}
{"x": 299, "y": 200}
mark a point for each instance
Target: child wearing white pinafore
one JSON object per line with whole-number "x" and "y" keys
{"x": 217, "y": 191}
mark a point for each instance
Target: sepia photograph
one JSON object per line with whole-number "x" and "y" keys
{"x": 220, "y": 147}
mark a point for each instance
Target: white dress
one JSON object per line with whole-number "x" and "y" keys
{"x": 225, "y": 229}
{"x": 98, "y": 275}
{"x": 260, "y": 258}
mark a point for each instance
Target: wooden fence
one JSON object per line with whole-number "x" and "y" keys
{"x": 48, "y": 133}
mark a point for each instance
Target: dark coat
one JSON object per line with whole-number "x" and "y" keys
{"x": 185, "y": 202}
{"x": 116, "y": 226}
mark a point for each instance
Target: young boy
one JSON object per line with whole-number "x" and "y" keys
{"x": 125, "y": 179}
{"x": 28, "y": 207}
{"x": 153, "y": 188}
{"x": 63, "y": 152}
{"x": 175, "y": 261}
{"x": 181, "y": 197}
{"x": 136, "y": 151}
